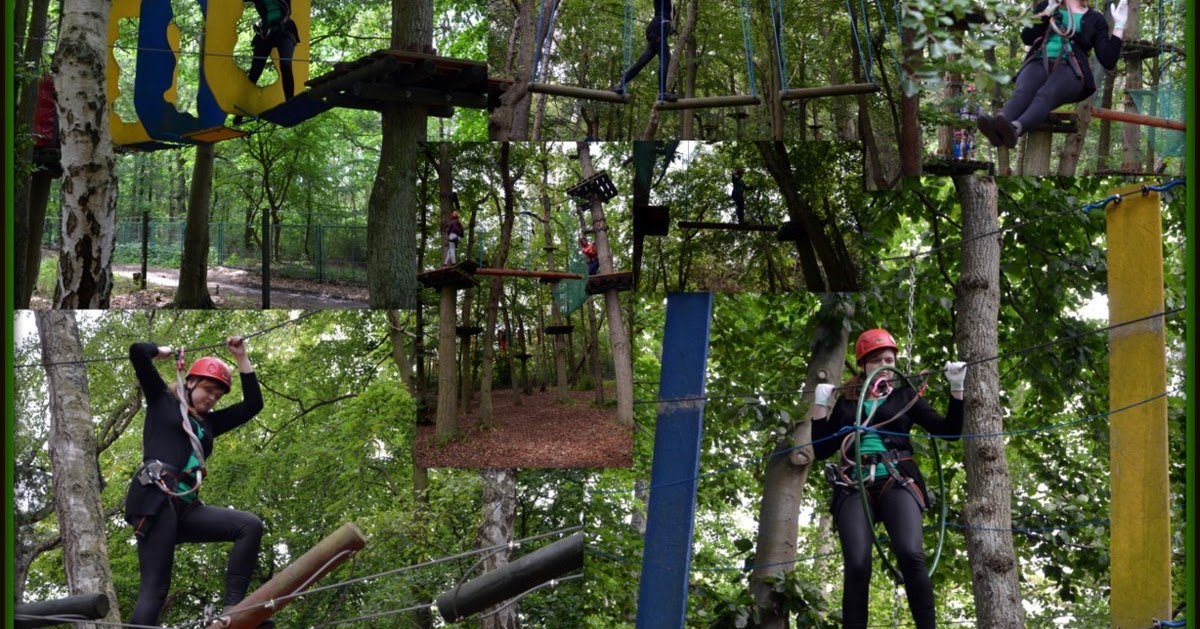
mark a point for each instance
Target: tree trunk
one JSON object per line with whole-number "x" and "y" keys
{"x": 1131, "y": 134}
{"x": 1068, "y": 162}
{"x": 192, "y": 292}
{"x": 447, "y": 408}
{"x": 618, "y": 337}
{"x": 28, "y": 216}
{"x": 687, "y": 117}
{"x": 89, "y": 187}
{"x": 500, "y": 260}
{"x": 783, "y": 484}
{"x": 510, "y": 121}
{"x": 392, "y": 208}
{"x": 1104, "y": 141}
{"x": 73, "y": 458}
{"x": 910, "y": 105}
{"x": 994, "y": 570}
{"x": 496, "y": 529}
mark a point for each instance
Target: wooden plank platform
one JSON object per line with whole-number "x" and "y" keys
{"x": 1058, "y": 122}
{"x": 599, "y": 184}
{"x": 456, "y": 276}
{"x": 1139, "y": 49}
{"x": 605, "y": 282}
{"x": 737, "y": 227}
{"x": 468, "y": 330}
{"x": 399, "y": 76}
{"x": 555, "y": 330}
{"x": 949, "y": 167}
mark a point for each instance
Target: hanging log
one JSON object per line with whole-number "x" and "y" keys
{"x": 46, "y": 613}
{"x": 708, "y": 102}
{"x": 584, "y": 93}
{"x": 803, "y": 93}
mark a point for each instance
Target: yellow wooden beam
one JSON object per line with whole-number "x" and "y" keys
{"x": 1140, "y": 519}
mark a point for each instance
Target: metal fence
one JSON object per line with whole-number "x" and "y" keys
{"x": 332, "y": 253}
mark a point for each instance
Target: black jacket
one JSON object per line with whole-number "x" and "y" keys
{"x": 163, "y": 437}
{"x": 843, "y": 414}
{"x": 1092, "y": 35}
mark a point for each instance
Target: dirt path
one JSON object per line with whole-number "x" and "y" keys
{"x": 538, "y": 433}
{"x": 234, "y": 288}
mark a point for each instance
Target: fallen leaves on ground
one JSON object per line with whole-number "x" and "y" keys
{"x": 538, "y": 433}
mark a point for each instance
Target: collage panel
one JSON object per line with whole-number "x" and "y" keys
{"x": 758, "y": 217}
{"x": 1047, "y": 89}
{"x": 525, "y": 251}
{"x": 713, "y": 70}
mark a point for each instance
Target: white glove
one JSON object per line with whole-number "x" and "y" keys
{"x": 956, "y": 373}
{"x": 1120, "y": 13}
{"x": 823, "y": 395}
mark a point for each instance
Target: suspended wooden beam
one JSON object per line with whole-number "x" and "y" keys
{"x": 519, "y": 576}
{"x": 1138, "y": 119}
{"x": 547, "y": 275}
{"x": 584, "y": 93}
{"x": 803, "y": 93}
{"x": 328, "y": 554}
{"x": 736, "y": 227}
{"x": 605, "y": 282}
{"x": 708, "y": 102}
{"x": 47, "y": 613}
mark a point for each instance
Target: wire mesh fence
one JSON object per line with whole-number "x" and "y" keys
{"x": 326, "y": 253}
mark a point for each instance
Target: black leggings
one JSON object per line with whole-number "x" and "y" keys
{"x": 653, "y": 47}
{"x": 1036, "y": 94}
{"x": 286, "y": 44}
{"x": 901, "y": 516}
{"x": 180, "y": 523}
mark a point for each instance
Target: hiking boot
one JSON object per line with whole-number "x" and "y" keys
{"x": 1006, "y": 130}
{"x": 987, "y": 126}
{"x": 668, "y": 97}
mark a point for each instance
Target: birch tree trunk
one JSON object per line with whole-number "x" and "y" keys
{"x": 994, "y": 570}
{"x": 88, "y": 201}
{"x": 618, "y": 337}
{"x": 499, "y": 515}
{"x": 785, "y": 478}
{"x": 73, "y": 453}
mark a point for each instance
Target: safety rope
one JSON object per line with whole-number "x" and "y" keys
{"x": 869, "y": 69}
{"x": 748, "y": 45}
{"x": 780, "y": 47}
{"x": 537, "y": 53}
{"x": 186, "y": 422}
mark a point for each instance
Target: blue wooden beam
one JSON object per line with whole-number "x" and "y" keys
{"x": 667, "y": 555}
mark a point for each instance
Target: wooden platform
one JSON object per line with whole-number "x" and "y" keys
{"x": 457, "y": 276}
{"x": 545, "y": 276}
{"x": 651, "y": 220}
{"x": 397, "y": 76}
{"x": 555, "y": 330}
{"x": 737, "y": 227}
{"x": 949, "y": 167}
{"x": 468, "y": 330}
{"x": 598, "y": 184}
{"x": 605, "y": 282}
{"x": 496, "y": 87}
{"x": 1139, "y": 49}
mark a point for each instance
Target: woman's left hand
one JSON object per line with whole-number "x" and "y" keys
{"x": 1120, "y": 14}
{"x": 236, "y": 346}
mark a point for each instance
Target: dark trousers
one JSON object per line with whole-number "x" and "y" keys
{"x": 593, "y": 266}
{"x": 653, "y": 47}
{"x": 1036, "y": 94}
{"x": 739, "y": 206}
{"x": 180, "y": 523}
{"x": 286, "y": 45}
{"x": 901, "y": 516}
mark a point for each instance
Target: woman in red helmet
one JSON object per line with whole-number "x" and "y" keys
{"x": 163, "y": 503}
{"x": 895, "y": 488}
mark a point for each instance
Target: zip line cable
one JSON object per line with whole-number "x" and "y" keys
{"x": 198, "y": 348}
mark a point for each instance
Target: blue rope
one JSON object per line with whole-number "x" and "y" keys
{"x": 1170, "y": 623}
{"x": 780, "y": 47}
{"x": 537, "y": 55}
{"x": 748, "y": 44}
{"x": 857, "y": 43}
{"x": 870, "y": 68}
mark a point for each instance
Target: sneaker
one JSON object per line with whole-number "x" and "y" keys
{"x": 987, "y": 126}
{"x": 620, "y": 90}
{"x": 668, "y": 97}
{"x": 1006, "y": 130}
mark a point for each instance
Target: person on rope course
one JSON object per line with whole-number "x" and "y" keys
{"x": 657, "y": 30}
{"x": 589, "y": 252}
{"x": 894, "y": 485}
{"x": 454, "y": 233}
{"x": 163, "y": 502}
{"x": 739, "y": 195}
{"x": 274, "y": 30}
{"x": 1056, "y": 70}
{"x": 964, "y": 138}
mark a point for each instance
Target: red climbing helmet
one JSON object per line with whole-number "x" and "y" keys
{"x": 213, "y": 369}
{"x": 873, "y": 340}
{"x": 454, "y": 215}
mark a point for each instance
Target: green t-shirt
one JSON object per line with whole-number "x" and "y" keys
{"x": 1056, "y": 42}
{"x": 192, "y": 469}
{"x": 872, "y": 443}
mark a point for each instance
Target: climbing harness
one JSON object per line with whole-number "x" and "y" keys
{"x": 186, "y": 421}
{"x": 862, "y": 423}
